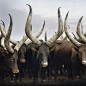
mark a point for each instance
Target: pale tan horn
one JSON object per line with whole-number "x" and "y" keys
{"x": 1, "y": 37}
{"x": 79, "y": 32}
{"x": 59, "y": 31}
{"x": 19, "y": 44}
{"x": 81, "y": 28}
{"x": 28, "y": 29}
{"x": 75, "y": 36}
{"x": 7, "y": 38}
{"x": 75, "y": 42}
{"x": 46, "y": 36}
{"x": 4, "y": 28}
{"x": 29, "y": 41}
{"x": 4, "y": 34}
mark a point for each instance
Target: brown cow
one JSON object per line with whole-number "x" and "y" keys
{"x": 70, "y": 53}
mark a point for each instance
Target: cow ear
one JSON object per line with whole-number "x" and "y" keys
{"x": 33, "y": 48}
{"x": 74, "y": 49}
{"x": 51, "y": 49}
{"x": 3, "y": 53}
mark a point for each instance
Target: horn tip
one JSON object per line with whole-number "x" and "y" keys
{"x": 44, "y": 21}
{"x": 67, "y": 14}
{"x": 59, "y": 7}
{"x": 28, "y": 5}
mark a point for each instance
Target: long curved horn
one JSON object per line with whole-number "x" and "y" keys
{"x": 75, "y": 36}
{"x": 81, "y": 28}
{"x": 7, "y": 38}
{"x": 59, "y": 31}
{"x": 80, "y": 34}
{"x": 75, "y": 42}
{"x": 1, "y": 37}
{"x": 46, "y": 36}
{"x": 4, "y": 34}
{"x": 4, "y": 28}
{"x": 17, "y": 47}
{"x": 19, "y": 44}
{"x": 28, "y": 29}
{"x": 29, "y": 41}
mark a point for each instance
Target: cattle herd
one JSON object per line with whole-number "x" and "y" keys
{"x": 40, "y": 58}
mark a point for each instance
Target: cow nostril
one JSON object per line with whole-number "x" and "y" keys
{"x": 44, "y": 64}
{"x": 82, "y": 62}
{"x": 22, "y": 60}
{"x": 16, "y": 71}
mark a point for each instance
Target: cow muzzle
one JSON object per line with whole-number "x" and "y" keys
{"x": 22, "y": 60}
{"x": 44, "y": 64}
{"x": 15, "y": 71}
{"x": 84, "y": 63}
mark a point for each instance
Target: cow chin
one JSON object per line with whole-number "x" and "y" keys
{"x": 45, "y": 64}
{"x": 84, "y": 63}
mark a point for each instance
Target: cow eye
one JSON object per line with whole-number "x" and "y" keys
{"x": 12, "y": 59}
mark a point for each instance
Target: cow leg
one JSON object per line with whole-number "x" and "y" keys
{"x": 11, "y": 75}
{"x": 43, "y": 75}
{"x": 29, "y": 72}
{"x": 61, "y": 69}
{"x": 70, "y": 72}
{"x": 81, "y": 70}
{"x": 37, "y": 77}
{"x": 15, "y": 79}
{"x": 2, "y": 78}
{"x": 49, "y": 73}
{"x": 20, "y": 75}
{"x": 55, "y": 73}
{"x": 33, "y": 78}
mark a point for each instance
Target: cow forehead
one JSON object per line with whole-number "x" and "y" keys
{"x": 43, "y": 48}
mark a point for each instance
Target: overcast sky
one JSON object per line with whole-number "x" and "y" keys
{"x": 42, "y": 10}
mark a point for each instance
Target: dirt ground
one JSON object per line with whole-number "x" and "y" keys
{"x": 61, "y": 80}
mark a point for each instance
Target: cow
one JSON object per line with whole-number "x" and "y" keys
{"x": 70, "y": 53}
{"x": 40, "y": 49}
{"x": 22, "y": 59}
{"x": 13, "y": 52}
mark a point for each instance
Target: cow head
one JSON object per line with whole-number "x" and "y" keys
{"x": 21, "y": 53}
{"x": 11, "y": 61}
{"x": 42, "y": 53}
{"x": 82, "y": 54}
{"x": 13, "y": 52}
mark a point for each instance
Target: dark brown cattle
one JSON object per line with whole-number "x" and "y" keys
{"x": 70, "y": 53}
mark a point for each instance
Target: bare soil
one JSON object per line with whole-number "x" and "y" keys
{"x": 61, "y": 80}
